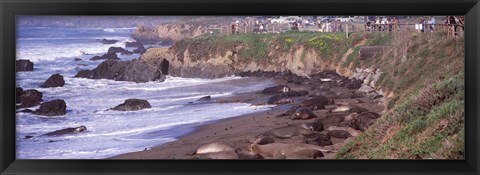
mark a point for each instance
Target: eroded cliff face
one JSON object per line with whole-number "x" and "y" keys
{"x": 168, "y": 33}
{"x": 201, "y": 60}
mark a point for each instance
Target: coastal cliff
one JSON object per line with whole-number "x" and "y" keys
{"x": 421, "y": 76}
{"x": 167, "y": 33}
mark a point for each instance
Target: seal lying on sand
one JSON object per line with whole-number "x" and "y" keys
{"x": 67, "y": 131}
{"x": 276, "y": 89}
{"x": 339, "y": 134}
{"x": 212, "y": 148}
{"x": 316, "y": 125}
{"x": 283, "y": 149}
{"x": 318, "y": 139}
{"x": 237, "y": 154}
{"x": 351, "y": 131}
{"x": 262, "y": 139}
{"x": 340, "y": 109}
{"x": 279, "y": 99}
{"x": 303, "y": 114}
{"x": 304, "y": 154}
{"x": 219, "y": 150}
{"x": 317, "y": 102}
{"x": 360, "y": 121}
{"x": 288, "y": 132}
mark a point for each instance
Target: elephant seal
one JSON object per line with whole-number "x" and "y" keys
{"x": 339, "y": 134}
{"x": 205, "y": 98}
{"x": 276, "y": 89}
{"x": 279, "y": 99}
{"x": 282, "y": 149}
{"x": 237, "y": 154}
{"x": 247, "y": 155}
{"x": 359, "y": 121}
{"x": 349, "y": 121}
{"x": 340, "y": 109}
{"x": 358, "y": 109}
{"x": 288, "y": 132}
{"x": 350, "y": 130}
{"x": 368, "y": 114}
{"x": 364, "y": 120}
{"x": 67, "y": 131}
{"x": 317, "y": 102}
{"x": 217, "y": 155}
{"x": 303, "y": 114}
{"x": 316, "y": 125}
{"x": 262, "y": 140}
{"x": 212, "y": 148}
{"x": 304, "y": 154}
{"x": 318, "y": 139}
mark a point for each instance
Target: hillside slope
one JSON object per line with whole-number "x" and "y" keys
{"x": 422, "y": 77}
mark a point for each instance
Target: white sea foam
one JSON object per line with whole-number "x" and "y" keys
{"x": 110, "y": 132}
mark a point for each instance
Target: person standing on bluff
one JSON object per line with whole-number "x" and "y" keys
{"x": 396, "y": 23}
{"x": 422, "y": 22}
{"x": 431, "y": 24}
{"x": 339, "y": 26}
{"x": 237, "y": 27}
{"x": 256, "y": 28}
{"x": 452, "y": 24}
{"x": 461, "y": 23}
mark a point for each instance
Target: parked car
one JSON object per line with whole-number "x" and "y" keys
{"x": 286, "y": 19}
{"x": 345, "y": 19}
{"x": 326, "y": 19}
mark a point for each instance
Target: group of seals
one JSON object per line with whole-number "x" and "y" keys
{"x": 287, "y": 151}
{"x": 319, "y": 121}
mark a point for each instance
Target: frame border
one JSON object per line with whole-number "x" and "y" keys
{"x": 9, "y": 9}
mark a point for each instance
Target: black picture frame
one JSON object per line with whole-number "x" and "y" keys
{"x": 10, "y": 8}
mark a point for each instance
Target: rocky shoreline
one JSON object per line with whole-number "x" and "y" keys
{"x": 318, "y": 115}
{"x": 316, "y": 112}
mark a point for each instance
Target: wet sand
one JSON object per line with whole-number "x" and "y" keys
{"x": 239, "y": 131}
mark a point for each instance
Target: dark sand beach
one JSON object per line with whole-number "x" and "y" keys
{"x": 239, "y": 131}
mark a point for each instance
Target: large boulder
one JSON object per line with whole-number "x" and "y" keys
{"x": 18, "y": 93}
{"x": 140, "y": 49}
{"x": 135, "y": 70}
{"x": 132, "y": 105}
{"x": 119, "y": 50}
{"x": 52, "y": 108}
{"x": 116, "y": 50}
{"x": 133, "y": 44}
{"x": 28, "y": 98}
{"x": 164, "y": 66}
{"x": 23, "y": 65}
{"x": 107, "y": 56}
{"x": 56, "y": 80}
{"x": 67, "y": 131}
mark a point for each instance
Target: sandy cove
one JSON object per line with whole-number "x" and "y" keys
{"x": 239, "y": 131}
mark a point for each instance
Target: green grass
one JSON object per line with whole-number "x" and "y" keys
{"x": 326, "y": 44}
{"x": 424, "y": 74}
{"x": 425, "y": 130}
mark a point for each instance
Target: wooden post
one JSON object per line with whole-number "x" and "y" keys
{"x": 346, "y": 26}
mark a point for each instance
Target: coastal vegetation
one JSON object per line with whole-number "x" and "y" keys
{"x": 422, "y": 81}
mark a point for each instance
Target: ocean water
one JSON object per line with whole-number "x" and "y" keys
{"x": 109, "y": 132}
